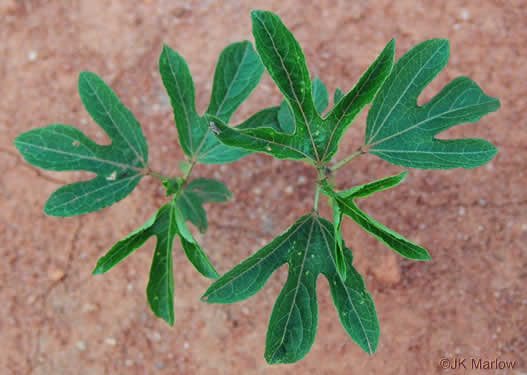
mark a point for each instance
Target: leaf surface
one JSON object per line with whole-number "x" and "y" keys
{"x": 194, "y": 194}
{"x": 238, "y": 72}
{"x": 346, "y": 204}
{"x": 312, "y": 138}
{"x": 165, "y": 225}
{"x": 308, "y": 248}
{"x": 403, "y": 133}
{"x": 119, "y": 166}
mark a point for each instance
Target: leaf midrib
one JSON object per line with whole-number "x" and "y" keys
{"x": 233, "y": 80}
{"x": 104, "y": 161}
{"x": 405, "y": 90}
{"x": 297, "y": 284}
{"x": 139, "y": 156}
{"x": 299, "y": 104}
{"x": 345, "y": 289}
{"x": 427, "y": 120}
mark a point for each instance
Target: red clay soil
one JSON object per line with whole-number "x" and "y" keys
{"x": 468, "y": 302}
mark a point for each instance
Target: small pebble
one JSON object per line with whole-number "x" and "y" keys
{"x": 32, "y": 55}
{"x": 81, "y": 345}
{"x": 128, "y": 363}
{"x": 110, "y": 341}
{"x": 160, "y": 365}
{"x": 464, "y": 14}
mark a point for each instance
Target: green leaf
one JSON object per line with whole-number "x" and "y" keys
{"x": 238, "y": 72}
{"x": 356, "y": 99}
{"x": 201, "y": 190}
{"x": 402, "y": 133}
{"x": 315, "y": 139}
{"x": 165, "y": 224}
{"x": 339, "y": 242}
{"x": 125, "y": 247}
{"x": 339, "y": 94}
{"x": 346, "y": 203}
{"x": 173, "y": 185}
{"x": 119, "y": 166}
{"x": 160, "y": 288}
{"x": 320, "y": 97}
{"x": 199, "y": 259}
{"x": 193, "y": 251}
{"x": 308, "y": 248}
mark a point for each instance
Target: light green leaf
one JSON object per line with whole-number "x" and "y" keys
{"x": 339, "y": 94}
{"x": 315, "y": 138}
{"x": 238, "y": 72}
{"x": 201, "y": 190}
{"x": 173, "y": 185}
{"x": 346, "y": 203}
{"x": 119, "y": 166}
{"x": 308, "y": 248}
{"x": 402, "y": 133}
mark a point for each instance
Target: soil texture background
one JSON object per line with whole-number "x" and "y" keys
{"x": 469, "y": 301}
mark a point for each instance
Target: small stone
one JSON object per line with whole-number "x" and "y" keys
{"x": 56, "y": 274}
{"x": 464, "y": 14}
{"x": 88, "y": 307}
{"x": 160, "y": 365}
{"x": 185, "y": 345}
{"x": 128, "y": 363}
{"x": 32, "y": 55}
{"x": 156, "y": 336}
{"x": 288, "y": 189}
{"x": 81, "y": 345}
{"x": 461, "y": 211}
{"x": 110, "y": 341}
{"x": 301, "y": 179}
{"x": 387, "y": 270}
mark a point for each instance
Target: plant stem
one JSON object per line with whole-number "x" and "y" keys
{"x": 155, "y": 174}
{"x": 317, "y": 196}
{"x": 347, "y": 159}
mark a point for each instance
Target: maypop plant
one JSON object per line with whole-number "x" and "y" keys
{"x": 397, "y": 130}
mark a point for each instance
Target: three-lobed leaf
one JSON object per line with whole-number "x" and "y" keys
{"x": 119, "y": 166}
{"x": 237, "y": 73}
{"x": 313, "y": 138}
{"x": 165, "y": 225}
{"x": 308, "y": 248}
{"x": 344, "y": 202}
{"x": 402, "y": 133}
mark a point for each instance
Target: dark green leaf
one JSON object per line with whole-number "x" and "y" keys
{"x": 119, "y": 166}
{"x": 238, "y": 72}
{"x": 315, "y": 138}
{"x": 199, "y": 259}
{"x": 339, "y": 94}
{"x": 308, "y": 248}
{"x": 193, "y": 251}
{"x": 201, "y": 190}
{"x": 160, "y": 288}
{"x": 402, "y": 133}
{"x": 320, "y": 97}
{"x": 346, "y": 202}
{"x": 353, "y": 102}
{"x": 339, "y": 242}
{"x": 125, "y": 247}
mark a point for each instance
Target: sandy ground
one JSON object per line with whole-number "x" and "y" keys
{"x": 468, "y": 302}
